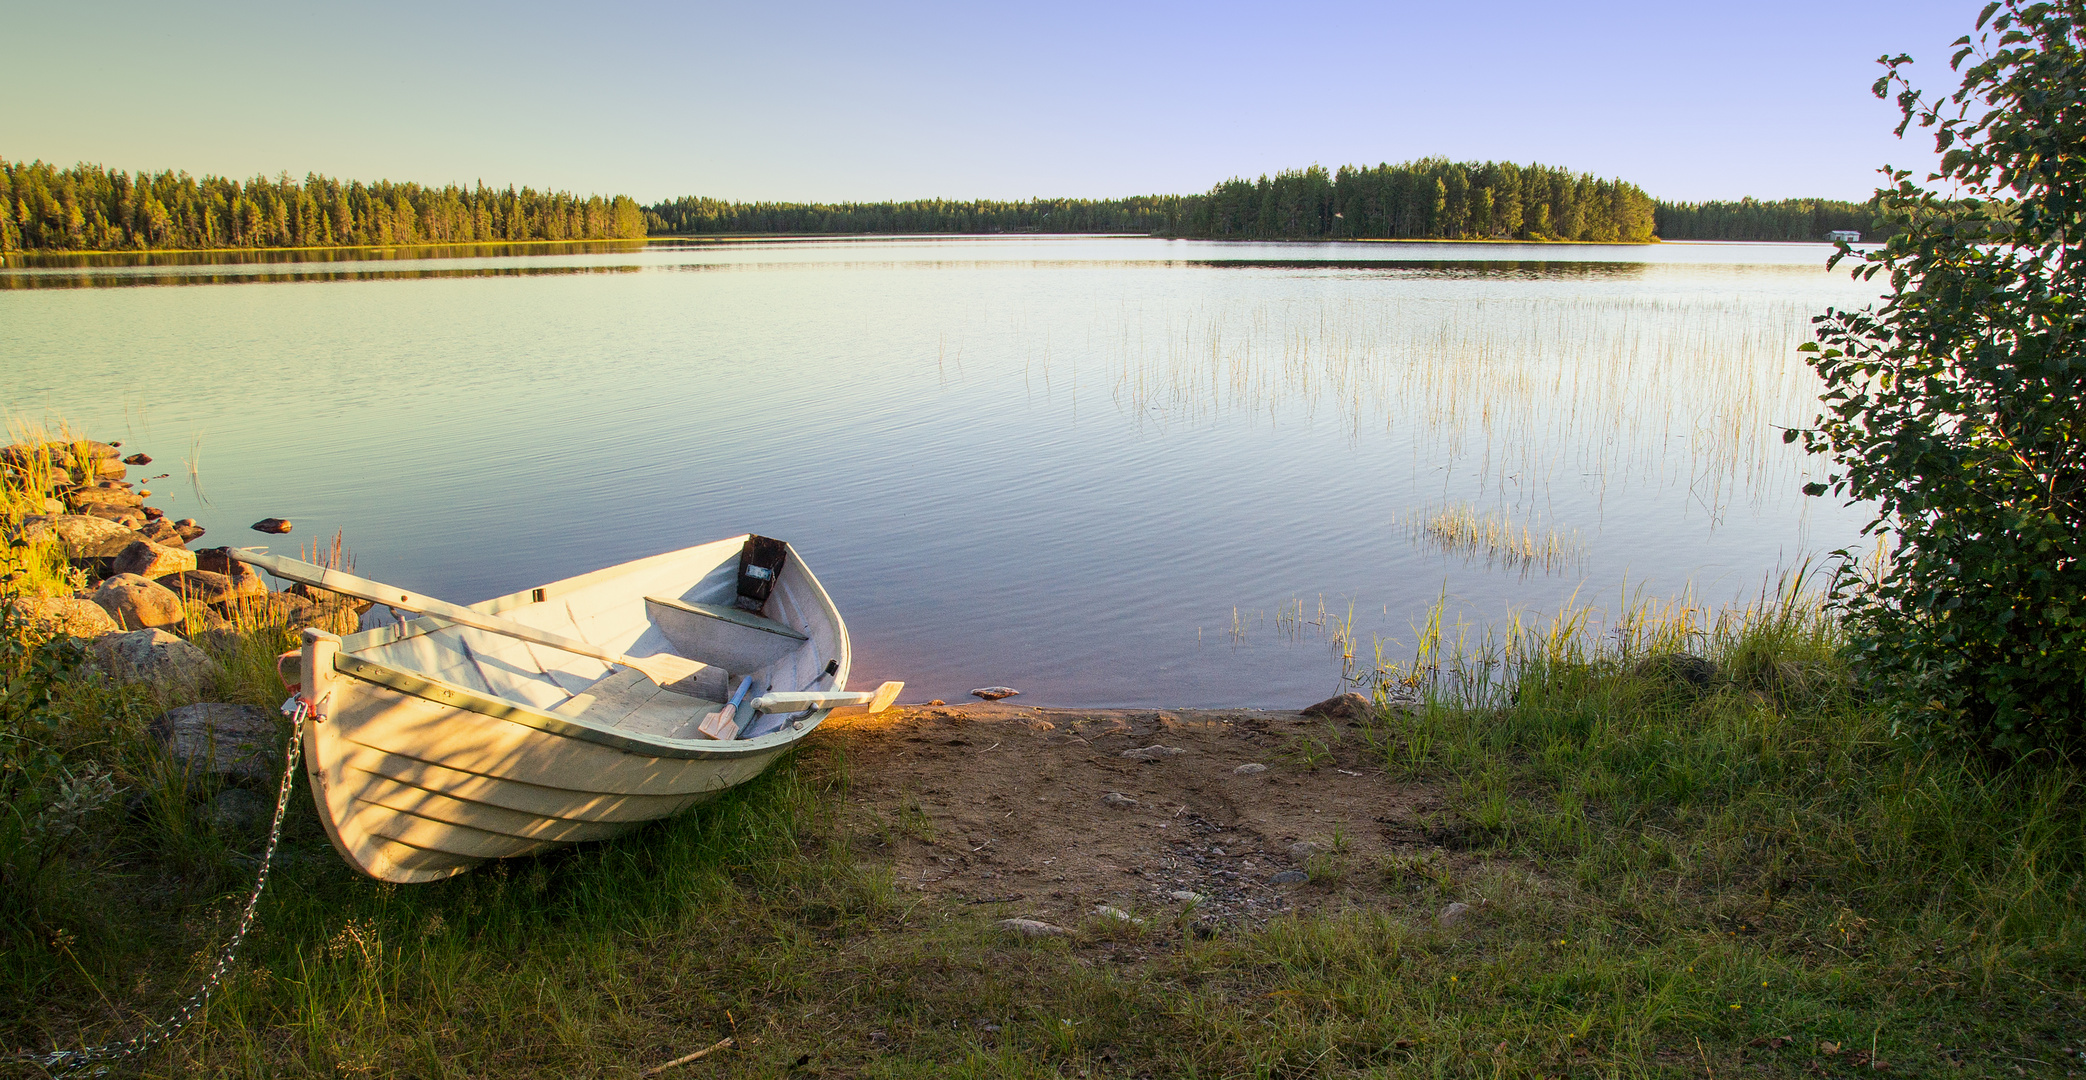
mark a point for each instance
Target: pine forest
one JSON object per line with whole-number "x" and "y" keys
{"x": 87, "y": 207}
{"x": 91, "y": 208}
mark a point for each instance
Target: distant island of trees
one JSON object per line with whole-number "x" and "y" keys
{"x": 1432, "y": 199}
{"x": 88, "y": 207}
{"x": 698, "y": 216}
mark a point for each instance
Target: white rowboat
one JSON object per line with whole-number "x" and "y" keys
{"x": 436, "y": 745}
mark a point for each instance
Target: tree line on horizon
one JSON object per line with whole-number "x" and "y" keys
{"x": 88, "y": 207}
{"x": 1782, "y": 219}
{"x": 695, "y": 215}
{"x": 1432, "y": 199}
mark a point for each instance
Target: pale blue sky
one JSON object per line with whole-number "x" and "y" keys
{"x": 861, "y": 101}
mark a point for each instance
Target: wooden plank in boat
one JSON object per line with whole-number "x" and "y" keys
{"x": 737, "y": 641}
{"x": 729, "y": 614}
{"x": 611, "y": 698}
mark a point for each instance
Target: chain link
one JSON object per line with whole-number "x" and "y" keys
{"x": 63, "y": 1062}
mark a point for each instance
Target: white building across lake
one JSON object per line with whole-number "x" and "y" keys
{"x": 1848, "y": 235}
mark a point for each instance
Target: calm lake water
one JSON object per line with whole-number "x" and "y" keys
{"x": 1103, "y": 471}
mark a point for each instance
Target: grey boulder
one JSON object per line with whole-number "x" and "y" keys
{"x": 52, "y": 616}
{"x": 239, "y": 741}
{"x": 168, "y": 663}
{"x": 81, "y": 535}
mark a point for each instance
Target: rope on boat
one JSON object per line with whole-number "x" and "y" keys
{"x": 65, "y": 1062}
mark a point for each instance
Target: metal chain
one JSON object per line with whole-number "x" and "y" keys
{"x": 62, "y": 1062}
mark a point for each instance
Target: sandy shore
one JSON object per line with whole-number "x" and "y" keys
{"x": 1035, "y": 811}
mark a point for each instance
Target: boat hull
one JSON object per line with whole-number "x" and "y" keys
{"x": 418, "y": 778}
{"x": 412, "y": 790}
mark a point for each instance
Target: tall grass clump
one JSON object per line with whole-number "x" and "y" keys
{"x": 1718, "y": 787}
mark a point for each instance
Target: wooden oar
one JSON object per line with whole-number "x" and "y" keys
{"x": 662, "y": 668}
{"x": 876, "y": 701}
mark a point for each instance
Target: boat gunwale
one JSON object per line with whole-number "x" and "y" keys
{"x": 453, "y": 696}
{"x": 441, "y": 692}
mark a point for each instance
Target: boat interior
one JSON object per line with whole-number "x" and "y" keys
{"x": 691, "y": 603}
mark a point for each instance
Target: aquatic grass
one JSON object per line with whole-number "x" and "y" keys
{"x": 1526, "y": 393}
{"x": 1462, "y": 529}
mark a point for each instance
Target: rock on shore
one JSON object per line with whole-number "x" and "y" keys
{"x": 171, "y": 665}
{"x": 141, "y": 575}
{"x": 140, "y": 603}
{"x": 239, "y": 741}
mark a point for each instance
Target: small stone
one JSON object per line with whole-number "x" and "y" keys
{"x": 1251, "y": 768}
{"x": 1453, "y": 914}
{"x": 189, "y": 530}
{"x": 44, "y": 617}
{"x": 1153, "y": 752}
{"x": 1289, "y": 877}
{"x": 1350, "y": 706}
{"x": 1302, "y": 849}
{"x": 1118, "y": 914}
{"x": 138, "y": 459}
{"x": 937, "y": 701}
{"x": 139, "y": 603}
{"x": 147, "y": 559}
{"x": 239, "y": 811}
{"x": 994, "y": 693}
{"x": 1033, "y": 928}
{"x": 271, "y": 525}
{"x": 1118, "y": 800}
{"x": 171, "y": 665}
{"x": 1187, "y": 896}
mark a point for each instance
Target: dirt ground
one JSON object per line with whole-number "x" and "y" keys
{"x": 1035, "y": 812}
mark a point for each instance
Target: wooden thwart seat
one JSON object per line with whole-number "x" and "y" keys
{"x": 625, "y": 699}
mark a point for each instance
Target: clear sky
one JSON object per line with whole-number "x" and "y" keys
{"x": 865, "y": 101}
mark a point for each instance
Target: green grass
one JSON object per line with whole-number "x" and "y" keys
{"x": 1744, "y": 874}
